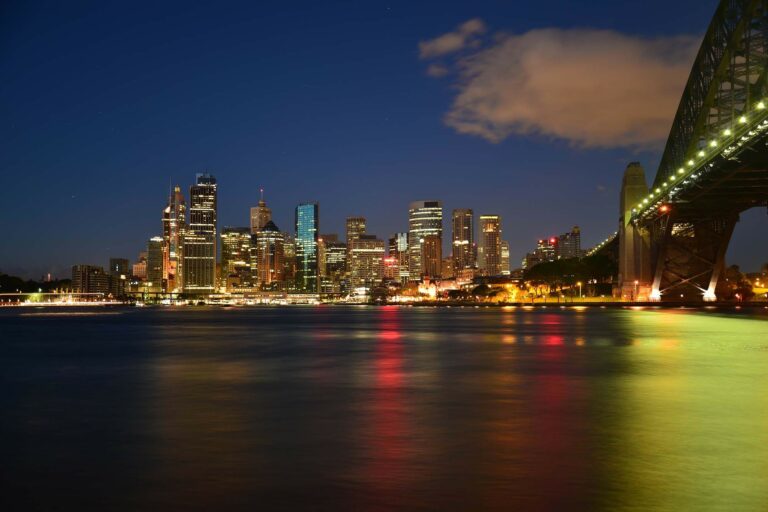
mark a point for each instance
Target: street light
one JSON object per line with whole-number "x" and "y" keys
{"x": 634, "y": 296}
{"x": 579, "y": 285}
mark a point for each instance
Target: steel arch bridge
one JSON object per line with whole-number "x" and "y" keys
{"x": 673, "y": 236}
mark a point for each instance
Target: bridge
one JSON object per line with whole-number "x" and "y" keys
{"x": 673, "y": 235}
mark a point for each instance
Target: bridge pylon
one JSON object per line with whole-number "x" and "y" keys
{"x": 635, "y": 277}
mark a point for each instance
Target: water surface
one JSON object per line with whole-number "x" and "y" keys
{"x": 361, "y": 408}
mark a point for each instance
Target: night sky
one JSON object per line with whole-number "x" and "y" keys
{"x": 530, "y": 110}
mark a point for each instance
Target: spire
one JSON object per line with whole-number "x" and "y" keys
{"x": 261, "y": 200}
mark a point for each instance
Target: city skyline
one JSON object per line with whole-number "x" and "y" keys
{"x": 328, "y": 129}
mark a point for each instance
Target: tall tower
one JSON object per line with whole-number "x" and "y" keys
{"x": 355, "y": 228}
{"x": 270, "y": 257}
{"x": 307, "y": 224}
{"x": 174, "y": 229}
{"x": 200, "y": 240}
{"x": 424, "y": 218}
{"x": 490, "y": 244}
{"x": 634, "y": 242}
{"x": 463, "y": 232}
{"x": 260, "y": 215}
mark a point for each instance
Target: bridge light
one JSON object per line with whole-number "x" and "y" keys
{"x": 701, "y": 153}
{"x": 691, "y": 162}
{"x": 761, "y": 105}
{"x": 658, "y": 190}
{"x": 664, "y": 208}
{"x": 743, "y": 119}
{"x": 712, "y": 144}
{"x": 680, "y": 171}
{"x": 645, "y": 201}
{"x": 727, "y": 132}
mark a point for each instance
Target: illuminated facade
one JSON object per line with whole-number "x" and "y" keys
{"x": 489, "y": 248}
{"x": 569, "y": 244}
{"x": 335, "y": 258}
{"x": 155, "y": 281}
{"x": 505, "y": 268}
{"x": 270, "y": 257}
{"x": 463, "y": 234}
{"x": 307, "y": 223}
{"x": 425, "y": 218}
{"x": 236, "y": 259}
{"x": 398, "y": 249}
{"x": 200, "y": 239}
{"x": 260, "y": 215}
{"x": 90, "y": 279}
{"x": 174, "y": 229}
{"x": 431, "y": 256}
{"x": 366, "y": 264}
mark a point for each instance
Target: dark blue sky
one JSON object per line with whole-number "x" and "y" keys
{"x": 102, "y": 103}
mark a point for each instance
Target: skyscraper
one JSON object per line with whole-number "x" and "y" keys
{"x": 236, "y": 261}
{"x": 270, "y": 257}
{"x": 463, "y": 232}
{"x": 569, "y": 244}
{"x": 200, "y": 239}
{"x": 155, "y": 281}
{"x": 431, "y": 256}
{"x": 260, "y": 214}
{"x": 335, "y": 265}
{"x": 489, "y": 248}
{"x": 424, "y": 218}
{"x": 355, "y": 228}
{"x": 307, "y": 224}
{"x": 366, "y": 265}
{"x": 174, "y": 229}
{"x": 119, "y": 276}
{"x": 398, "y": 248}
{"x": 505, "y": 268}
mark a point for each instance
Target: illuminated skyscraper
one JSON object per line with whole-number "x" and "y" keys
{"x": 236, "y": 259}
{"x": 155, "y": 281}
{"x": 424, "y": 218}
{"x": 174, "y": 229}
{"x": 569, "y": 244}
{"x": 398, "y": 249}
{"x": 355, "y": 228}
{"x": 335, "y": 265}
{"x": 505, "y": 268}
{"x": 366, "y": 265}
{"x": 431, "y": 256}
{"x": 463, "y": 232}
{"x": 489, "y": 248}
{"x": 119, "y": 275}
{"x": 260, "y": 214}
{"x": 270, "y": 257}
{"x": 307, "y": 224}
{"x": 200, "y": 240}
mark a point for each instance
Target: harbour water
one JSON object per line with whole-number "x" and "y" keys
{"x": 383, "y": 408}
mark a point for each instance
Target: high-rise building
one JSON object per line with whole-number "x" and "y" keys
{"x": 334, "y": 277}
{"x": 505, "y": 268}
{"x": 155, "y": 281}
{"x": 90, "y": 279}
{"x": 366, "y": 265}
{"x": 289, "y": 261}
{"x": 307, "y": 224}
{"x": 355, "y": 228}
{"x": 569, "y": 244}
{"x": 200, "y": 239}
{"x": 431, "y": 256}
{"x": 270, "y": 257}
{"x": 119, "y": 276}
{"x": 139, "y": 269}
{"x": 236, "y": 258}
{"x": 174, "y": 229}
{"x": 260, "y": 214}
{"x": 446, "y": 270}
{"x": 463, "y": 233}
{"x": 489, "y": 248}
{"x": 398, "y": 249}
{"x": 424, "y": 218}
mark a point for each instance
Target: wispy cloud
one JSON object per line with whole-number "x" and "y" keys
{"x": 465, "y": 36}
{"x": 593, "y": 88}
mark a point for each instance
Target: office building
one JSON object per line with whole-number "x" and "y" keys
{"x": 199, "y": 253}
{"x": 366, "y": 263}
{"x": 236, "y": 259}
{"x": 505, "y": 266}
{"x": 289, "y": 261}
{"x": 425, "y": 218}
{"x": 307, "y": 223}
{"x": 335, "y": 279}
{"x": 489, "y": 246}
{"x": 260, "y": 215}
{"x": 174, "y": 229}
{"x": 155, "y": 281}
{"x": 398, "y": 249}
{"x": 119, "y": 276}
{"x": 569, "y": 244}
{"x": 90, "y": 279}
{"x": 463, "y": 234}
{"x": 431, "y": 256}
{"x": 270, "y": 257}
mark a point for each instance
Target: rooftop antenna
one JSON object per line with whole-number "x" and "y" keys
{"x": 261, "y": 191}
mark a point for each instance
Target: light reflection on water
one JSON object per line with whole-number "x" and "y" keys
{"x": 386, "y": 408}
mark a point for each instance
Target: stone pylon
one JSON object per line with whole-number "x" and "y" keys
{"x": 635, "y": 276}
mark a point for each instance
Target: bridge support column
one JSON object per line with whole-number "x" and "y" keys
{"x": 634, "y": 241}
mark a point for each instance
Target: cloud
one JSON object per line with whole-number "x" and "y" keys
{"x": 465, "y": 36}
{"x": 593, "y": 88}
{"x": 437, "y": 70}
